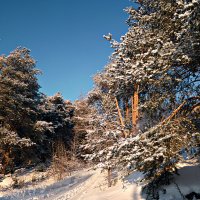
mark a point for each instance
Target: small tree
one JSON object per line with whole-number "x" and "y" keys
{"x": 60, "y": 160}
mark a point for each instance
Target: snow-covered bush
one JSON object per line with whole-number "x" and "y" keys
{"x": 11, "y": 149}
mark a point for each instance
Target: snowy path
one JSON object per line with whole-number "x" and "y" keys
{"x": 95, "y": 188}
{"x": 84, "y": 185}
{"x": 62, "y": 190}
{"x": 77, "y": 189}
{"x": 91, "y": 185}
{"x": 100, "y": 191}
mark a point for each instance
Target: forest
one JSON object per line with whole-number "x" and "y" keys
{"x": 143, "y": 113}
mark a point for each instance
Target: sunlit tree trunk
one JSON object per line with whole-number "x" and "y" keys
{"x": 135, "y": 113}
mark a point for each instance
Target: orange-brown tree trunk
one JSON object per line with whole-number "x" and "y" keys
{"x": 135, "y": 113}
{"x": 127, "y": 117}
{"x": 119, "y": 112}
{"x": 174, "y": 113}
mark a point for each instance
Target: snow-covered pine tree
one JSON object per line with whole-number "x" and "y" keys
{"x": 83, "y": 124}
{"x": 99, "y": 120}
{"x": 169, "y": 74}
{"x": 19, "y": 98}
{"x": 153, "y": 55}
{"x": 160, "y": 54}
{"x": 19, "y": 91}
{"x": 55, "y": 124}
{"x": 157, "y": 46}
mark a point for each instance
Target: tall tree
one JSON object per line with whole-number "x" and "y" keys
{"x": 19, "y": 99}
{"x": 19, "y": 91}
{"x": 160, "y": 54}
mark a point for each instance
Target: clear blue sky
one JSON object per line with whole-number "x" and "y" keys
{"x": 65, "y": 37}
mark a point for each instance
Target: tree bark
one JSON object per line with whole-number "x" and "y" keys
{"x": 135, "y": 101}
{"x": 119, "y": 112}
{"x": 109, "y": 177}
{"x": 120, "y": 117}
{"x": 173, "y": 113}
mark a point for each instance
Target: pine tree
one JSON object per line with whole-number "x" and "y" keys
{"x": 19, "y": 91}
{"x": 102, "y": 129}
{"x": 55, "y": 123}
{"x": 160, "y": 54}
{"x": 19, "y": 99}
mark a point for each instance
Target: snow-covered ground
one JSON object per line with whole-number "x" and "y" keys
{"x": 92, "y": 185}
{"x": 186, "y": 182}
{"x": 82, "y": 185}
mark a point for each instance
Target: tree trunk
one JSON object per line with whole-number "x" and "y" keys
{"x": 109, "y": 177}
{"x": 7, "y": 161}
{"x": 135, "y": 100}
{"x": 119, "y": 112}
{"x": 120, "y": 115}
{"x": 173, "y": 113}
{"x": 127, "y": 120}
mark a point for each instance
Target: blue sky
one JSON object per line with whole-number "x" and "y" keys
{"x": 65, "y": 37}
